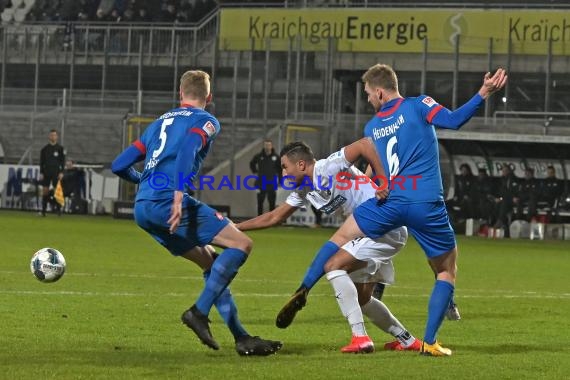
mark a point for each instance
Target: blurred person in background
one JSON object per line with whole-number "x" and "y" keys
{"x": 485, "y": 197}
{"x": 551, "y": 190}
{"x": 527, "y": 196}
{"x": 464, "y": 196}
{"x": 267, "y": 165}
{"x": 52, "y": 162}
{"x": 73, "y": 182}
{"x": 508, "y": 188}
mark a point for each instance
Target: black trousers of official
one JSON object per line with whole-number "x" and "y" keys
{"x": 318, "y": 215}
{"x": 271, "y": 196}
{"x": 47, "y": 196}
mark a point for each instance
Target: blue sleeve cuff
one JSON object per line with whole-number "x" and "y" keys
{"x": 454, "y": 120}
{"x": 122, "y": 165}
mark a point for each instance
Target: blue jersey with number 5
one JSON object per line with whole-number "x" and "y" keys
{"x": 161, "y": 142}
{"x": 407, "y": 145}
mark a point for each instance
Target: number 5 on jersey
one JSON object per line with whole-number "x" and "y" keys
{"x": 162, "y": 137}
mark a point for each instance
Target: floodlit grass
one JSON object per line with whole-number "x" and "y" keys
{"x": 115, "y": 313}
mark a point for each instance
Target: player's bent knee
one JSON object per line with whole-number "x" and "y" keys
{"x": 446, "y": 276}
{"x": 363, "y": 299}
{"x": 245, "y": 244}
{"x": 331, "y": 265}
{"x": 364, "y": 292}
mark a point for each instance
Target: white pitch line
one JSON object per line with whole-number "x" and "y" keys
{"x": 501, "y": 293}
{"x": 267, "y": 295}
{"x": 150, "y": 276}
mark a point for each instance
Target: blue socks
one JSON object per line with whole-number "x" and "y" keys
{"x": 438, "y": 303}
{"x": 228, "y": 311}
{"x": 316, "y": 270}
{"x": 451, "y": 301}
{"x": 223, "y": 271}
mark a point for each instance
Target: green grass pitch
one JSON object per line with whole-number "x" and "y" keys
{"x": 116, "y": 312}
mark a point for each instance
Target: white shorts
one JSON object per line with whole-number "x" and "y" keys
{"x": 378, "y": 255}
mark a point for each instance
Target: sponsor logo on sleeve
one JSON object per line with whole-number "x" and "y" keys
{"x": 209, "y": 128}
{"x": 429, "y": 102}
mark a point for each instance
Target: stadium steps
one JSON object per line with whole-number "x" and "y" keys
{"x": 15, "y": 131}
{"x": 94, "y": 140}
{"x": 88, "y": 137}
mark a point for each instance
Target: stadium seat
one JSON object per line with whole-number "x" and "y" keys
{"x": 17, "y": 3}
{"x": 7, "y": 15}
{"x": 20, "y": 15}
{"x": 537, "y": 231}
{"x": 106, "y": 5}
{"x": 520, "y": 229}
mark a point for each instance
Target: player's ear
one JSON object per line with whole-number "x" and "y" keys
{"x": 209, "y": 98}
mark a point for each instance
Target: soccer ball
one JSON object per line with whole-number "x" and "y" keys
{"x": 48, "y": 265}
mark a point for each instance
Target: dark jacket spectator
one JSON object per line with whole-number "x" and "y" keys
{"x": 463, "y": 203}
{"x": 73, "y": 181}
{"x": 508, "y": 189}
{"x": 142, "y": 15}
{"x": 527, "y": 195}
{"x": 484, "y": 196}
{"x": 267, "y": 165}
{"x": 551, "y": 191}
{"x": 168, "y": 14}
{"x": 551, "y": 187}
{"x": 69, "y": 10}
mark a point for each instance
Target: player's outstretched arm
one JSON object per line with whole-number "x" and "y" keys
{"x": 365, "y": 148}
{"x": 269, "y": 219}
{"x": 123, "y": 164}
{"x": 445, "y": 118}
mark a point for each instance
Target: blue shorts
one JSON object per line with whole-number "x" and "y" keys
{"x": 428, "y": 222}
{"x": 198, "y": 226}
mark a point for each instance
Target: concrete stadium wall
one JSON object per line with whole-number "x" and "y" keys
{"x": 87, "y": 136}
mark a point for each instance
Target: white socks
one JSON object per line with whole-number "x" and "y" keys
{"x": 347, "y": 298}
{"x": 381, "y": 316}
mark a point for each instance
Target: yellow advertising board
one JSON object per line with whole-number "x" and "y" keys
{"x": 397, "y": 30}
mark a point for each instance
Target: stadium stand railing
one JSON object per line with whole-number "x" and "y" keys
{"x": 395, "y": 4}
{"x": 84, "y": 42}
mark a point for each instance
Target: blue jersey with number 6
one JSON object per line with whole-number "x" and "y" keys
{"x": 161, "y": 142}
{"x": 407, "y": 145}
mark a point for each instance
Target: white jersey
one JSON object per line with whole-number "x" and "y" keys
{"x": 334, "y": 187}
